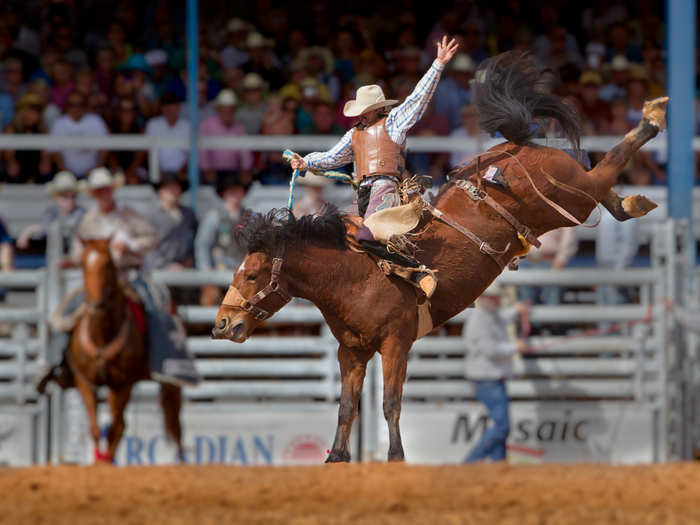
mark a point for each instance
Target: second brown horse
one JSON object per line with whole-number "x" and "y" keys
{"x": 107, "y": 349}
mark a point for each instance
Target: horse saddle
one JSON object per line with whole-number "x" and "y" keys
{"x": 424, "y": 285}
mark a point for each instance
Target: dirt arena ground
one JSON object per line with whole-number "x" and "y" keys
{"x": 358, "y": 494}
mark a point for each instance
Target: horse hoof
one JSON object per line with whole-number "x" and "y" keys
{"x": 637, "y": 205}
{"x": 338, "y": 457}
{"x": 655, "y": 112}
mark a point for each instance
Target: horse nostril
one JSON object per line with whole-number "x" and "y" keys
{"x": 221, "y": 324}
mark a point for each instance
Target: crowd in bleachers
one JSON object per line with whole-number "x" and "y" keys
{"x": 89, "y": 68}
{"x": 77, "y": 68}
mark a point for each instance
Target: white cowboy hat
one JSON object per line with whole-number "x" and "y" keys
{"x": 463, "y": 63}
{"x": 63, "y": 181}
{"x": 253, "y": 81}
{"x": 323, "y": 52}
{"x": 226, "y": 97}
{"x": 257, "y": 40}
{"x": 367, "y": 98}
{"x": 236, "y": 24}
{"x": 101, "y": 178}
{"x": 619, "y": 63}
{"x": 313, "y": 180}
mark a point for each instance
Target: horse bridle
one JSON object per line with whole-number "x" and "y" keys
{"x": 235, "y": 299}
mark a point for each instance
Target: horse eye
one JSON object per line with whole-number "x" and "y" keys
{"x": 251, "y": 277}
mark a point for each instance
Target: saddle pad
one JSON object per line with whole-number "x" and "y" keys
{"x": 138, "y": 313}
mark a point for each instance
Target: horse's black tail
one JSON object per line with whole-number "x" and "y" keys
{"x": 510, "y": 95}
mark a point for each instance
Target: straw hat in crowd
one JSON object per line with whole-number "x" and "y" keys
{"x": 62, "y": 182}
{"x": 101, "y": 178}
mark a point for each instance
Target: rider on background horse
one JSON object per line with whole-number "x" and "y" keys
{"x": 132, "y": 236}
{"x": 377, "y": 145}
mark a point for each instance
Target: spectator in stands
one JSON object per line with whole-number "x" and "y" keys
{"x": 157, "y": 59}
{"x": 27, "y": 165}
{"x": 170, "y": 124}
{"x": 61, "y": 82}
{"x": 310, "y": 95}
{"x": 77, "y": 123}
{"x": 471, "y": 40}
{"x": 594, "y": 109}
{"x": 234, "y": 54}
{"x": 324, "y": 121}
{"x": 7, "y": 252}
{"x": 175, "y": 227}
{"x": 65, "y": 211}
{"x": 117, "y": 38}
{"x": 312, "y": 202}
{"x": 64, "y": 43}
{"x": 616, "y": 87}
{"x": 137, "y": 73}
{"x": 223, "y": 124}
{"x": 319, "y": 65}
{"x": 279, "y": 119}
{"x": 469, "y": 129}
{"x": 51, "y": 111}
{"x": 7, "y": 110}
{"x": 262, "y": 60}
{"x": 558, "y": 248}
{"x": 637, "y": 93}
{"x": 13, "y": 78}
{"x": 489, "y": 363}
{"x": 105, "y": 71}
{"x": 131, "y": 163}
{"x": 619, "y": 43}
{"x": 216, "y": 247}
{"x": 251, "y": 113}
{"x": 452, "y": 92}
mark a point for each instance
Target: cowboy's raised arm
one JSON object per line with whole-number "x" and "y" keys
{"x": 404, "y": 117}
{"x": 337, "y": 156}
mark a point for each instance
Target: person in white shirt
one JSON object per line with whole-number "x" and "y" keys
{"x": 490, "y": 352}
{"x": 170, "y": 124}
{"x": 77, "y": 123}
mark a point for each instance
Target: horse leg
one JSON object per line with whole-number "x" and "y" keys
{"x": 607, "y": 170}
{"x": 171, "y": 403}
{"x": 352, "y": 372}
{"x": 117, "y": 400}
{"x": 90, "y": 399}
{"x": 394, "y": 360}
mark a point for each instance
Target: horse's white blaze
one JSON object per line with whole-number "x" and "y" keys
{"x": 92, "y": 259}
{"x": 241, "y": 268}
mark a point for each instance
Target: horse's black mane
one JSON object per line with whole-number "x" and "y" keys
{"x": 267, "y": 232}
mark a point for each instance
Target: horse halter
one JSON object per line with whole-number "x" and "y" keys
{"x": 235, "y": 299}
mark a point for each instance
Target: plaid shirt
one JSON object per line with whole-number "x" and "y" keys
{"x": 398, "y": 122}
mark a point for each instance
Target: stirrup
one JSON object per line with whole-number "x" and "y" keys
{"x": 426, "y": 280}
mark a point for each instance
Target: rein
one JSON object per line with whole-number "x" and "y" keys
{"x": 235, "y": 299}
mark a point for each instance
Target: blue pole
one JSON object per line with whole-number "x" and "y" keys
{"x": 681, "y": 109}
{"x": 192, "y": 76}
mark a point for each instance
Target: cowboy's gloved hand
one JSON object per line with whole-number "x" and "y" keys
{"x": 446, "y": 51}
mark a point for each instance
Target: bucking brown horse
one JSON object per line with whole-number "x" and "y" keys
{"x": 475, "y": 228}
{"x": 107, "y": 348}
